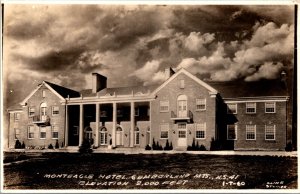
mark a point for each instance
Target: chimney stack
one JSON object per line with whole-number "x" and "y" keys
{"x": 169, "y": 72}
{"x": 99, "y": 82}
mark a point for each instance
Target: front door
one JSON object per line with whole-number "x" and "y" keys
{"x": 182, "y": 108}
{"x": 182, "y": 136}
{"x": 119, "y": 136}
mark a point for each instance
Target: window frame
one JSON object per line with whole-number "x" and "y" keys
{"x": 17, "y": 116}
{"x": 44, "y": 93}
{"x": 274, "y": 132}
{"x": 229, "y": 110}
{"x": 235, "y": 131}
{"x": 167, "y": 125}
{"x": 29, "y": 132}
{"x": 160, "y": 105}
{"x": 19, "y": 133}
{"x": 274, "y": 103}
{"x": 248, "y": 131}
{"x": 52, "y": 111}
{"x": 29, "y": 111}
{"x": 181, "y": 84}
{"x": 52, "y": 131}
{"x": 198, "y": 129}
{"x": 137, "y": 139}
{"x": 199, "y": 101}
{"x": 136, "y": 111}
{"x": 247, "y": 106}
{"x": 40, "y": 132}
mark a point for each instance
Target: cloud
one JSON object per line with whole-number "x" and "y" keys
{"x": 268, "y": 70}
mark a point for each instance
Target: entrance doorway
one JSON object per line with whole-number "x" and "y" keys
{"x": 119, "y": 136}
{"x": 182, "y": 106}
{"x": 182, "y": 135}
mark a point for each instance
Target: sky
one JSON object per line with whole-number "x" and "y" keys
{"x": 133, "y": 44}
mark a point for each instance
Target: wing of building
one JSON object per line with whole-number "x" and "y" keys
{"x": 182, "y": 113}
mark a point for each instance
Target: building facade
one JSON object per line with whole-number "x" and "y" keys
{"x": 183, "y": 111}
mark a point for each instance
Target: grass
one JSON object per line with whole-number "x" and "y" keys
{"x": 199, "y": 171}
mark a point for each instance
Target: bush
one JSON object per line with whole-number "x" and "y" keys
{"x": 289, "y": 147}
{"x": 50, "y": 146}
{"x": 202, "y": 148}
{"x": 196, "y": 147}
{"x": 23, "y": 145}
{"x": 56, "y": 145}
{"x": 18, "y": 144}
{"x": 85, "y": 147}
{"x": 147, "y": 147}
{"x": 168, "y": 146}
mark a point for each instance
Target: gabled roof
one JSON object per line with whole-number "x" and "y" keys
{"x": 59, "y": 91}
{"x": 241, "y": 88}
{"x": 196, "y": 79}
{"x": 120, "y": 91}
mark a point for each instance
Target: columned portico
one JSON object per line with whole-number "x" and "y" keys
{"x": 114, "y": 125}
{"x": 80, "y": 124}
{"x": 132, "y": 120}
{"x": 67, "y": 127}
{"x": 97, "y": 124}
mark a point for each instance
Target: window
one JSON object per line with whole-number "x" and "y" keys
{"x": 164, "y": 131}
{"x": 31, "y": 111}
{"x": 137, "y": 136}
{"x": 55, "y": 110}
{"x": 181, "y": 126}
{"x": 232, "y": 108}
{"x": 250, "y": 132}
{"x": 103, "y": 136}
{"x": 17, "y": 133}
{"x": 164, "y": 106}
{"x": 75, "y": 130}
{"x": 270, "y": 107}
{"x": 42, "y": 132}
{"x": 231, "y": 132}
{"x": 30, "y": 132}
{"x": 136, "y": 112}
{"x": 200, "y": 104}
{"x": 250, "y": 107}
{"x": 181, "y": 134}
{"x": 200, "y": 130}
{"x": 181, "y": 83}
{"x": 54, "y": 132}
{"x": 44, "y": 93}
{"x": 270, "y": 132}
{"x": 17, "y": 116}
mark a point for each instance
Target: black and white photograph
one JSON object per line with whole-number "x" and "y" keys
{"x": 149, "y": 97}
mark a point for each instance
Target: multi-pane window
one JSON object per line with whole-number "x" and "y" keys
{"x": 55, "y": 110}
{"x": 164, "y": 131}
{"x": 55, "y": 132}
{"x": 181, "y": 126}
{"x": 200, "y": 104}
{"x": 231, "y": 132}
{"x": 232, "y": 108}
{"x": 30, "y": 132}
{"x": 164, "y": 106}
{"x": 270, "y": 107}
{"x": 17, "y": 116}
{"x": 31, "y": 111}
{"x": 42, "y": 132}
{"x": 270, "y": 132}
{"x": 200, "y": 130}
{"x": 182, "y": 134}
{"x": 250, "y": 107}
{"x": 250, "y": 132}
{"x": 17, "y": 133}
{"x": 103, "y": 136}
{"x": 137, "y": 136}
{"x": 181, "y": 83}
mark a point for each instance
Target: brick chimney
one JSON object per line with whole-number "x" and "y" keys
{"x": 169, "y": 72}
{"x": 99, "y": 82}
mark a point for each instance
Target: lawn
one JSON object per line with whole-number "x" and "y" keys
{"x": 159, "y": 171}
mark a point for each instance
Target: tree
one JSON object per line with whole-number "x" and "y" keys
{"x": 85, "y": 146}
{"x": 56, "y": 145}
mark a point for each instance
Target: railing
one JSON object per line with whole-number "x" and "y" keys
{"x": 188, "y": 116}
{"x": 41, "y": 119}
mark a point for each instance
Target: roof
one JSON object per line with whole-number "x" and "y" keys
{"x": 241, "y": 88}
{"x": 121, "y": 90}
{"x": 64, "y": 92}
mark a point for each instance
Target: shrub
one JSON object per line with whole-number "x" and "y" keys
{"x": 154, "y": 147}
{"x": 289, "y": 147}
{"x": 85, "y": 146}
{"x": 50, "y": 146}
{"x": 202, "y": 148}
{"x": 23, "y": 145}
{"x": 168, "y": 146}
{"x": 56, "y": 145}
{"x": 18, "y": 144}
{"x": 62, "y": 144}
{"x": 147, "y": 147}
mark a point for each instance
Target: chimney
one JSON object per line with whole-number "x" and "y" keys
{"x": 169, "y": 72}
{"x": 98, "y": 83}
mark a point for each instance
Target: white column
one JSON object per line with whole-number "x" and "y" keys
{"x": 113, "y": 134}
{"x": 97, "y": 124}
{"x": 67, "y": 127}
{"x": 132, "y": 113}
{"x": 80, "y": 124}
